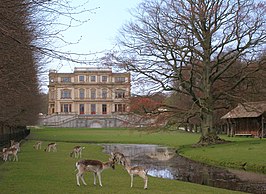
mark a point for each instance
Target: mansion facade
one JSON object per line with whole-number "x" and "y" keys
{"x": 89, "y": 91}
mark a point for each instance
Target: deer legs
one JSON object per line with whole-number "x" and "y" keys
{"x": 145, "y": 178}
{"x": 79, "y": 175}
{"x": 99, "y": 178}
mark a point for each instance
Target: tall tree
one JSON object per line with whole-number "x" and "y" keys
{"x": 192, "y": 47}
{"x": 28, "y": 29}
{"x": 19, "y": 90}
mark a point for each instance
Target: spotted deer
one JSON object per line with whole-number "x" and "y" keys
{"x": 119, "y": 158}
{"x": 136, "y": 170}
{"x": 38, "y": 145}
{"x": 94, "y": 166}
{"x": 10, "y": 151}
{"x": 77, "y": 151}
{"x": 51, "y": 146}
{"x": 14, "y": 144}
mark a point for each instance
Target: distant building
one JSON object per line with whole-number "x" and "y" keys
{"x": 91, "y": 95}
{"x": 88, "y": 91}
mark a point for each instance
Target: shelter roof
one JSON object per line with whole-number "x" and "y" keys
{"x": 247, "y": 110}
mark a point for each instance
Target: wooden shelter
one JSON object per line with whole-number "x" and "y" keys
{"x": 247, "y": 119}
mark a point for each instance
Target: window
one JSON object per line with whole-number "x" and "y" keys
{"x": 93, "y": 109}
{"x": 81, "y": 78}
{"x": 104, "y": 109}
{"x": 81, "y": 109}
{"x": 81, "y": 93}
{"x": 120, "y": 94}
{"x": 65, "y": 108}
{"x": 65, "y": 94}
{"x": 104, "y": 93}
{"x": 65, "y": 79}
{"x": 93, "y": 78}
{"x": 93, "y": 93}
{"x": 104, "y": 78}
{"x": 52, "y": 96}
{"x": 120, "y": 79}
{"x": 120, "y": 108}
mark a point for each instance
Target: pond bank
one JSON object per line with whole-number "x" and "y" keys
{"x": 163, "y": 162}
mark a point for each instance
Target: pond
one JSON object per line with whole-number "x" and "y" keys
{"x": 163, "y": 162}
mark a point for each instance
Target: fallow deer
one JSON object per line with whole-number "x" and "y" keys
{"x": 137, "y": 170}
{"x": 94, "y": 166}
{"x": 10, "y": 151}
{"x": 77, "y": 151}
{"x": 14, "y": 144}
{"x": 2, "y": 153}
{"x": 119, "y": 158}
{"x": 38, "y": 145}
{"x": 51, "y": 146}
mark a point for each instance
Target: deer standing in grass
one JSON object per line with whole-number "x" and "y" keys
{"x": 14, "y": 144}
{"x": 38, "y": 145}
{"x": 120, "y": 158}
{"x": 94, "y": 166}
{"x": 51, "y": 146}
{"x": 136, "y": 170}
{"x": 77, "y": 151}
{"x": 10, "y": 151}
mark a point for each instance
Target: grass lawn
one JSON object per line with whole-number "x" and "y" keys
{"x": 241, "y": 149}
{"x": 248, "y": 151}
{"x": 42, "y": 172}
{"x": 114, "y": 135}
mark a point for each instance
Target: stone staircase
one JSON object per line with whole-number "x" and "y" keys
{"x": 93, "y": 121}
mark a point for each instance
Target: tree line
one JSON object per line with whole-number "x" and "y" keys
{"x": 19, "y": 88}
{"x": 28, "y": 29}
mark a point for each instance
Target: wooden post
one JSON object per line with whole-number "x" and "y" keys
{"x": 228, "y": 127}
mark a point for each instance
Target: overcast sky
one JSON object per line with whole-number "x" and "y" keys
{"x": 99, "y": 33}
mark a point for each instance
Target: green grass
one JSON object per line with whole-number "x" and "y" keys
{"x": 241, "y": 149}
{"x": 41, "y": 172}
{"x": 113, "y": 135}
{"x": 233, "y": 155}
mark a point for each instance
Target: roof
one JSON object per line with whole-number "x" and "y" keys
{"x": 87, "y": 69}
{"x": 247, "y": 110}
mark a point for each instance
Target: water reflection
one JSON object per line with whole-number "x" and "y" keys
{"x": 163, "y": 173}
{"x": 163, "y": 162}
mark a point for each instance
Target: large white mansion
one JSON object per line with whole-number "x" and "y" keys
{"x": 87, "y": 97}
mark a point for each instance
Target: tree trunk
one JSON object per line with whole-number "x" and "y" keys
{"x": 208, "y": 134}
{"x": 207, "y": 124}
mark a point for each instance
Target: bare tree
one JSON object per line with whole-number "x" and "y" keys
{"x": 253, "y": 87}
{"x": 191, "y": 47}
{"x": 29, "y": 30}
{"x": 18, "y": 68}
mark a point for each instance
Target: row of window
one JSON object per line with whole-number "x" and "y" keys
{"x": 93, "y": 78}
{"x": 67, "y": 108}
{"x": 66, "y": 94}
